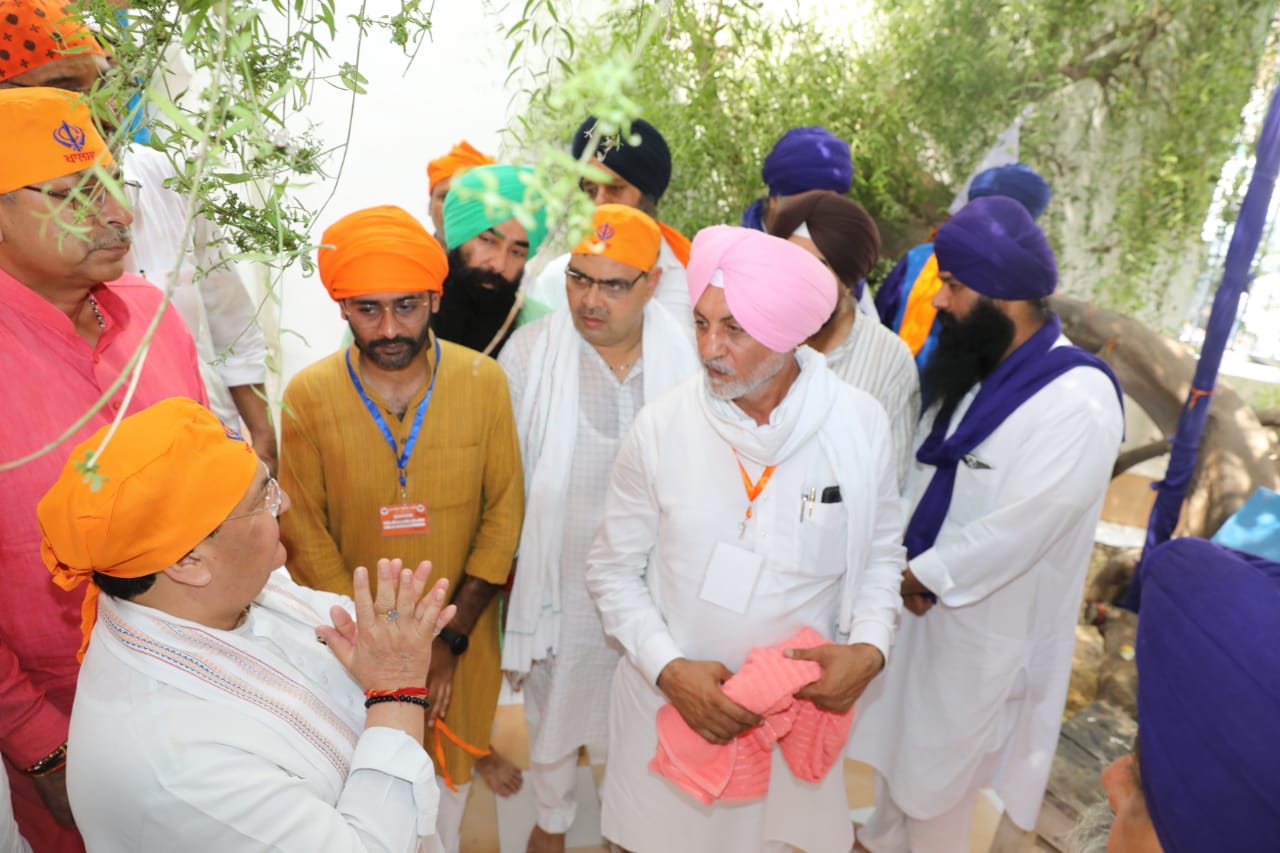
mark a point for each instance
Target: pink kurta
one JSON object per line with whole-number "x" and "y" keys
{"x": 51, "y": 377}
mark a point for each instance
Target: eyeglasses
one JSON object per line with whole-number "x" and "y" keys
{"x": 92, "y": 197}
{"x": 611, "y": 193}
{"x": 275, "y": 498}
{"x": 614, "y": 288}
{"x": 407, "y": 310}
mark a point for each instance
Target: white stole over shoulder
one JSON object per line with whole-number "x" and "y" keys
{"x": 237, "y": 669}
{"x": 548, "y": 426}
{"x": 818, "y": 405}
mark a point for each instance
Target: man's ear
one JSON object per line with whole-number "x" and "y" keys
{"x": 651, "y": 282}
{"x": 342, "y": 311}
{"x": 435, "y": 302}
{"x": 191, "y": 570}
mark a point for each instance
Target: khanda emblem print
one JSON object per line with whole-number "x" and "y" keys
{"x": 604, "y": 233}
{"x": 69, "y": 136}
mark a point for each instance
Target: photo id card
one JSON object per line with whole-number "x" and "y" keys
{"x": 404, "y": 519}
{"x": 731, "y": 577}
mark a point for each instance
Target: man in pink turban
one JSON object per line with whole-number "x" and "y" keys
{"x": 703, "y": 555}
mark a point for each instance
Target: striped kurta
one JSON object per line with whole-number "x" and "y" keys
{"x": 876, "y": 360}
{"x": 338, "y": 470}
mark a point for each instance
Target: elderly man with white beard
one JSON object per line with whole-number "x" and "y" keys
{"x": 751, "y": 505}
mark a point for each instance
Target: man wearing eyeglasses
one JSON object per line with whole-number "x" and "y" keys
{"x": 635, "y": 175}
{"x": 73, "y": 321}
{"x": 404, "y": 445}
{"x": 578, "y": 377}
{"x": 208, "y": 292}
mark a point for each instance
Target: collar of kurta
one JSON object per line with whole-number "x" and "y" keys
{"x": 428, "y": 354}
{"x": 16, "y": 296}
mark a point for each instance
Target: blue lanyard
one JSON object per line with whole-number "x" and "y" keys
{"x": 402, "y": 455}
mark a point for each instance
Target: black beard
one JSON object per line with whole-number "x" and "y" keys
{"x": 967, "y": 351}
{"x": 471, "y": 314}
{"x": 373, "y": 350}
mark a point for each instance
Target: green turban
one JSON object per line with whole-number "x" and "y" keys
{"x": 487, "y": 196}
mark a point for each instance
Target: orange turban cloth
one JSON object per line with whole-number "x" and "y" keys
{"x": 169, "y": 476}
{"x": 36, "y": 32}
{"x": 623, "y": 234}
{"x": 460, "y": 158}
{"x": 48, "y": 134}
{"x": 380, "y": 250}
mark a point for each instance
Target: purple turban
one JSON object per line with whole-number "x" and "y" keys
{"x": 808, "y": 158}
{"x": 1015, "y": 181}
{"x": 1209, "y": 697}
{"x": 646, "y": 165}
{"x": 778, "y": 292}
{"x": 993, "y": 246}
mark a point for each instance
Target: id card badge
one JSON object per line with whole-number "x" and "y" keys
{"x": 404, "y": 519}
{"x": 731, "y": 577}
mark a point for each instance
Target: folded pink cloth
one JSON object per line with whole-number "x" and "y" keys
{"x": 811, "y": 740}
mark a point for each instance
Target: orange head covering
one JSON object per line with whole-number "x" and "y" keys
{"x": 166, "y": 480}
{"x": 380, "y": 250}
{"x": 460, "y": 158}
{"x": 48, "y": 133}
{"x": 623, "y": 234}
{"x": 37, "y": 32}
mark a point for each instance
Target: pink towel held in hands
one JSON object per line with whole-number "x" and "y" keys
{"x": 811, "y": 740}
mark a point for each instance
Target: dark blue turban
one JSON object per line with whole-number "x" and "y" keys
{"x": 808, "y": 158}
{"x": 1014, "y": 181}
{"x": 993, "y": 246}
{"x": 1209, "y": 697}
{"x": 646, "y": 166}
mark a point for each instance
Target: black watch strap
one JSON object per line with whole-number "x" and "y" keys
{"x": 456, "y": 641}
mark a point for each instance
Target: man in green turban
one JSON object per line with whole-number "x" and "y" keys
{"x": 492, "y": 225}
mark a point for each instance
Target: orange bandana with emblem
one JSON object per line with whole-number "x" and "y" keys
{"x": 48, "y": 134}
{"x": 624, "y": 234}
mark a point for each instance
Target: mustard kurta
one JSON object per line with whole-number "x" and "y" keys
{"x": 338, "y": 470}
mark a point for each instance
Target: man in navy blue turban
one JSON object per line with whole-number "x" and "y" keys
{"x": 804, "y": 159}
{"x": 1013, "y": 460}
{"x": 636, "y": 167}
{"x": 1206, "y": 770}
{"x": 904, "y": 299}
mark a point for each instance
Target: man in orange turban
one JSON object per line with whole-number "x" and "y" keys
{"x": 50, "y": 46}
{"x": 405, "y": 442}
{"x": 206, "y": 714}
{"x": 440, "y": 174}
{"x": 73, "y": 319}
{"x": 578, "y": 377}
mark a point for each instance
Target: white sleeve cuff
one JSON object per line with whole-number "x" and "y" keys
{"x": 393, "y": 753}
{"x": 930, "y": 571}
{"x": 655, "y": 653}
{"x": 874, "y": 633}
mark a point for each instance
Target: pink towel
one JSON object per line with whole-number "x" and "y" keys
{"x": 811, "y": 740}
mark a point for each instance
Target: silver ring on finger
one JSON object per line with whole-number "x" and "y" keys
{"x": 393, "y": 615}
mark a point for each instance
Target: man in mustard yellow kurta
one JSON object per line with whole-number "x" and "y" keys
{"x": 403, "y": 445}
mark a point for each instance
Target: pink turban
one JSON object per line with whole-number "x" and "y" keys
{"x": 780, "y": 293}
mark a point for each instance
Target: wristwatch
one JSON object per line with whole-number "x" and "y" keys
{"x": 456, "y": 641}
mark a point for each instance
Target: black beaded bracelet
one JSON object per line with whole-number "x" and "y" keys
{"x": 416, "y": 700}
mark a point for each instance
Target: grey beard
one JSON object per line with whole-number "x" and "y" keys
{"x": 744, "y": 386}
{"x": 1092, "y": 830}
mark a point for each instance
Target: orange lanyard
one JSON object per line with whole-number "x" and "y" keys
{"x": 441, "y": 767}
{"x": 753, "y": 489}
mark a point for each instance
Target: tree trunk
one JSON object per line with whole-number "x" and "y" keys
{"x": 1235, "y": 455}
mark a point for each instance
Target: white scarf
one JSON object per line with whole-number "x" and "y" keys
{"x": 816, "y": 404}
{"x": 548, "y": 427}
{"x": 237, "y": 670}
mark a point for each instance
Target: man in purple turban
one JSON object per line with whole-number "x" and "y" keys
{"x": 1205, "y": 770}
{"x": 805, "y": 158}
{"x": 904, "y": 299}
{"x": 1012, "y": 463}
{"x": 702, "y": 554}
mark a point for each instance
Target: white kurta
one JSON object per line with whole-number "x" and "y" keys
{"x": 676, "y": 493}
{"x": 984, "y": 673}
{"x": 208, "y": 292}
{"x": 158, "y": 767}
{"x": 11, "y": 840}
{"x": 672, "y": 292}
{"x": 876, "y": 360}
{"x": 567, "y": 696}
